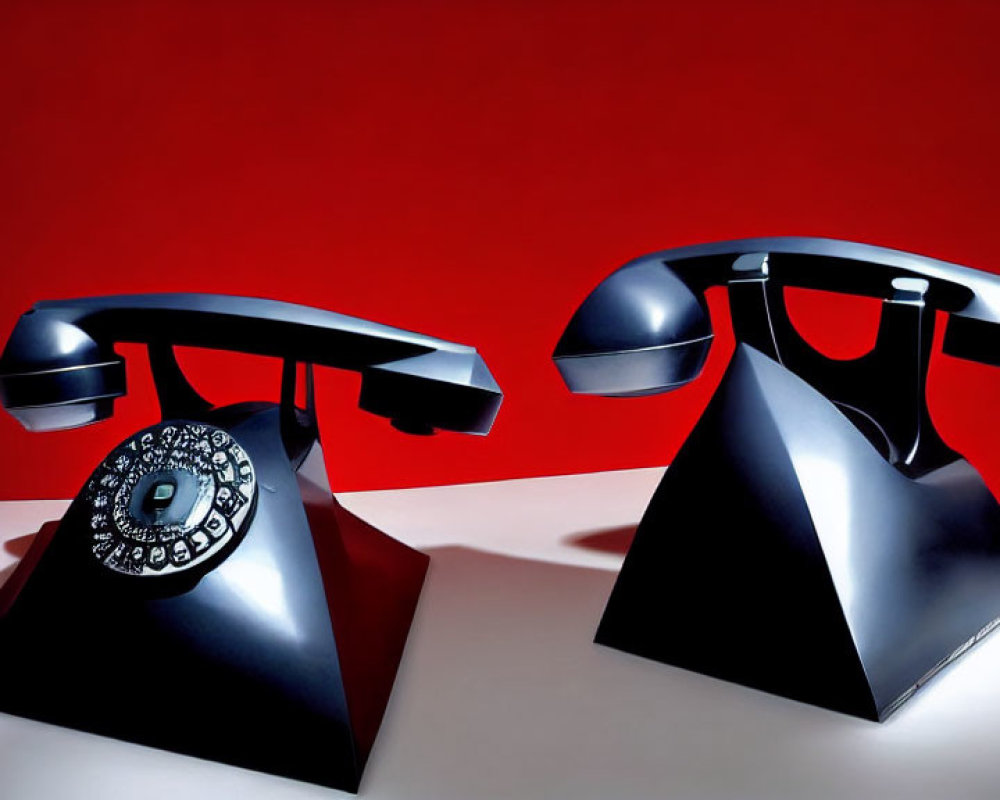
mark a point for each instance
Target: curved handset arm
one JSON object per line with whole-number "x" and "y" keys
{"x": 645, "y": 328}
{"x": 59, "y": 368}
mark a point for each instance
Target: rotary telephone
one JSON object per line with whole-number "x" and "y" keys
{"x": 205, "y": 593}
{"x": 814, "y": 536}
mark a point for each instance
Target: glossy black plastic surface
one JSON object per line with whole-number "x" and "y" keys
{"x": 782, "y": 551}
{"x": 205, "y": 593}
{"x": 642, "y": 330}
{"x": 814, "y": 537}
{"x": 239, "y": 663}
{"x": 59, "y": 368}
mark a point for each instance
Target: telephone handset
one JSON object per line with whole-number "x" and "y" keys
{"x": 205, "y": 592}
{"x": 814, "y": 537}
{"x": 59, "y": 368}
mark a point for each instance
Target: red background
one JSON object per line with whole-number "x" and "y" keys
{"x": 471, "y": 171}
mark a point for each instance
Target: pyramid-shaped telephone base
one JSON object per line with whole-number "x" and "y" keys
{"x": 280, "y": 659}
{"x": 781, "y": 551}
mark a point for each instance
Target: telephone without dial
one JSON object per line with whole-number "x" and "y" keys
{"x": 814, "y": 537}
{"x": 205, "y": 592}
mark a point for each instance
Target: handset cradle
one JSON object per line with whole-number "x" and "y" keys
{"x": 205, "y": 592}
{"x": 814, "y": 536}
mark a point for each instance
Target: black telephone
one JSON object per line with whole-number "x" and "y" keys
{"x": 814, "y": 537}
{"x": 205, "y": 593}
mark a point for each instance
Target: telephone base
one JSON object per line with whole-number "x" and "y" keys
{"x": 280, "y": 659}
{"x": 782, "y": 552}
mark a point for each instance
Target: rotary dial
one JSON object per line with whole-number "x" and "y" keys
{"x": 170, "y": 498}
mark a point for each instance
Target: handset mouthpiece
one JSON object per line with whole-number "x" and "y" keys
{"x": 442, "y": 390}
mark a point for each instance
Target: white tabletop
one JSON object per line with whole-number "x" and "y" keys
{"x": 502, "y": 694}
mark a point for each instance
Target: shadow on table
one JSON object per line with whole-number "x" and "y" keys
{"x": 19, "y": 545}
{"x": 28, "y": 548}
{"x": 502, "y": 694}
{"x": 608, "y": 540}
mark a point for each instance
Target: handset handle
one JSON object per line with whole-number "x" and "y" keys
{"x": 970, "y": 296}
{"x": 645, "y": 328}
{"x": 59, "y": 368}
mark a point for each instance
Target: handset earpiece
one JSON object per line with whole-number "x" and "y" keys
{"x": 641, "y": 331}
{"x": 56, "y": 376}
